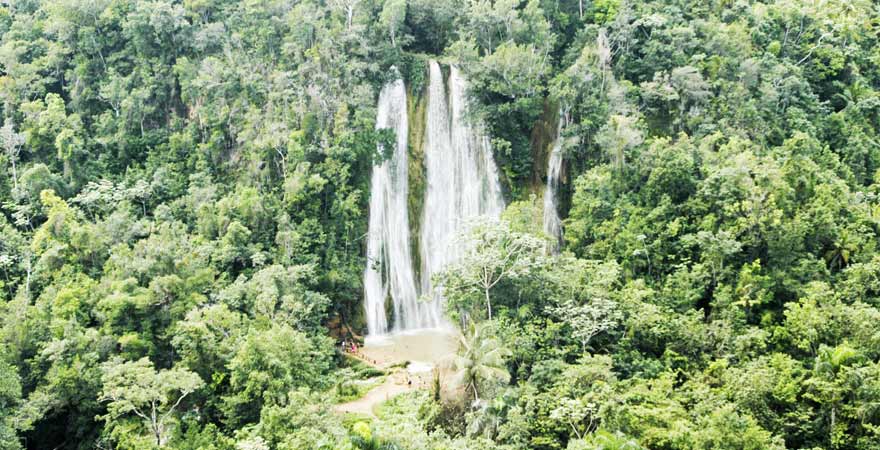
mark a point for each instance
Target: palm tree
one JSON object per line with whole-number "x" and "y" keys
{"x": 480, "y": 360}
{"x": 490, "y": 415}
{"x": 828, "y": 384}
{"x": 841, "y": 251}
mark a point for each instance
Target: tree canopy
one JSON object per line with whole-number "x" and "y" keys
{"x": 184, "y": 192}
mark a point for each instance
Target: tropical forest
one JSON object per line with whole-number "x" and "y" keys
{"x": 440, "y": 224}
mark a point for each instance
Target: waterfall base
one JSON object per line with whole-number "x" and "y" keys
{"x": 424, "y": 348}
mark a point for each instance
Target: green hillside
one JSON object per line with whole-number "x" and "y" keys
{"x": 184, "y": 202}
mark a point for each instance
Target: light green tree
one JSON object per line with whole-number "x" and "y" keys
{"x": 136, "y": 388}
{"x": 618, "y": 136}
{"x": 491, "y": 253}
{"x": 604, "y": 440}
{"x": 392, "y": 17}
{"x": 12, "y": 143}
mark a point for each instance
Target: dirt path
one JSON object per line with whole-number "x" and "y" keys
{"x": 393, "y": 385}
{"x": 422, "y": 351}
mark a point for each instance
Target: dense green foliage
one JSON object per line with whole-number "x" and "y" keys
{"x": 184, "y": 198}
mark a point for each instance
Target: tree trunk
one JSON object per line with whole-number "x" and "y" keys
{"x": 574, "y": 428}
{"x": 488, "y": 303}
{"x": 831, "y": 428}
{"x": 156, "y": 430}
{"x": 27, "y": 283}
{"x": 14, "y": 174}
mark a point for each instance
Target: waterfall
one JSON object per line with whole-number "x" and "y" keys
{"x": 389, "y": 268}
{"x": 552, "y": 222}
{"x": 462, "y": 177}
{"x": 461, "y": 183}
{"x": 440, "y": 201}
{"x": 480, "y": 192}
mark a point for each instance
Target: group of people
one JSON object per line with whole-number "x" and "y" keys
{"x": 349, "y": 347}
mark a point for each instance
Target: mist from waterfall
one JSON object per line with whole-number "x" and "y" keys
{"x": 461, "y": 183}
{"x": 389, "y": 268}
{"x": 462, "y": 176}
{"x": 552, "y": 222}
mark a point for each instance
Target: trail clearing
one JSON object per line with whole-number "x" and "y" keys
{"x": 422, "y": 351}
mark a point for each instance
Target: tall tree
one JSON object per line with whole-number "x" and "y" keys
{"x": 136, "y": 388}
{"x": 491, "y": 253}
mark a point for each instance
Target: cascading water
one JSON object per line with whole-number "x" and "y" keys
{"x": 440, "y": 201}
{"x": 552, "y": 222}
{"x": 462, "y": 176}
{"x": 462, "y": 183}
{"x": 389, "y": 268}
{"x": 480, "y": 193}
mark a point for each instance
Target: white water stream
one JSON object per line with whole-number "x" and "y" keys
{"x": 462, "y": 177}
{"x": 462, "y": 183}
{"x": 389, "y": 268}
{"x": 552, "y": 222}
